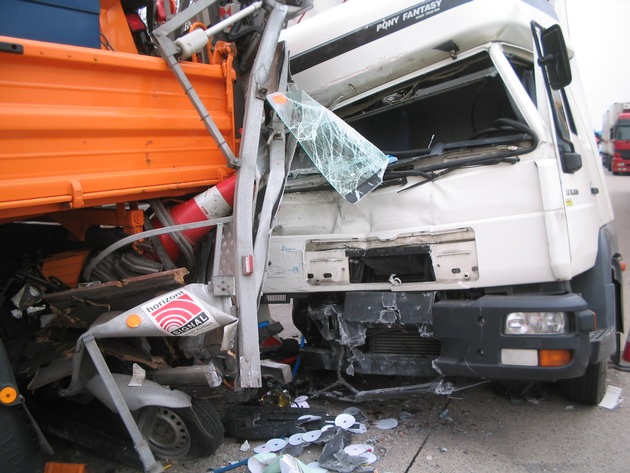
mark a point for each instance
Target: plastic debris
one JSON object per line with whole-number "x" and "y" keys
{"x": 259, "y": 462}
{"x": 612, "y": 398}
{"x": 445, "y": 416}
{"x": 290, "y": 464}
{"x": 271, "y": 463}
{"x": 357, "y": 429}
{"x": 245, "y": 446}
{"x": 315, "y": 468}
{"x": 138, "y": 376}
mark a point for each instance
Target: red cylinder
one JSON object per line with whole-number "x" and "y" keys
{"x": 215, "y": 202}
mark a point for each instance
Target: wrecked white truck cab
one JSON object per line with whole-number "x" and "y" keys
{"x": 487, "y": 251}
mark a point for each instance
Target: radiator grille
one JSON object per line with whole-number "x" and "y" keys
{"x": 401, "y": 342}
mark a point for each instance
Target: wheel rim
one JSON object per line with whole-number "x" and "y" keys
{"x": 169, "y": 436}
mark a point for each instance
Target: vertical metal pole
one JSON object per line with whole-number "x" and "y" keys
{"x": 139, "y": 443}
{"x": 247, "y": 289}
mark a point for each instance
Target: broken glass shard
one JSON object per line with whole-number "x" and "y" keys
{"x": 350, "y": 163}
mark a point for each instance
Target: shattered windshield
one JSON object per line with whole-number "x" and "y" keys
{"x": 351, "y": 164}
{"x": 459, "y": 116}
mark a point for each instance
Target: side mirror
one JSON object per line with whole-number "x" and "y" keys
{"x": 555, "y": 57}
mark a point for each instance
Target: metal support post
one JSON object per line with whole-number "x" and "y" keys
{"x": 247, "y": 288}
{"x": 139, "y": 442}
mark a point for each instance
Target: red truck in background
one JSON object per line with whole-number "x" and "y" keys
{"x": 616, "y": 138}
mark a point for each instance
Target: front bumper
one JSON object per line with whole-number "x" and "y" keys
{"x": 453, "y": 338}
{"x": 620, "y": 165}
{"x": 471, "y": 335}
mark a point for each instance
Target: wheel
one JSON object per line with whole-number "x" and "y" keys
{"x": 587, "y": 389}
{"x": 182, "y": 434}
{"x": 18, "y": 449}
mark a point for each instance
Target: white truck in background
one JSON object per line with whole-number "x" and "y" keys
{"x": 488, "y": 249}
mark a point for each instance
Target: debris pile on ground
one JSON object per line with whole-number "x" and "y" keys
{"x": 299, "y": 438}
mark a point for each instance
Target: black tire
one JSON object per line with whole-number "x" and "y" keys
{"x": 18, "y": 445}
{"x": 587, "y": 389}
{"x": 185, "y": 434}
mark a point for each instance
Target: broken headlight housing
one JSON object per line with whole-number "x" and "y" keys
{"x": 536, "y": 323}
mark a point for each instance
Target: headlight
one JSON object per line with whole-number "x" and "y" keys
{"x": 536, "y": 323}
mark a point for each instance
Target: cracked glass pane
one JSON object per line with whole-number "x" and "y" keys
{"x": 350, "y": 163}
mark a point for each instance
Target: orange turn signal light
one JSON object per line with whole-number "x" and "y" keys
{"x": 554, "y": 357}
{"x": 8, "y": 395}
{"x": 133, "y": 320}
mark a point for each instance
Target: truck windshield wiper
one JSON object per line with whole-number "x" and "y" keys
{"x": 504, "y": 128}
{"x": 431, "y": 171}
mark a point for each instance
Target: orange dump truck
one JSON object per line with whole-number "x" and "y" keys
{"x": 83, "y": 127}
{"x": 133, "y": 163}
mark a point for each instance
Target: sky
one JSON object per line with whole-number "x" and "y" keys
{"x": 598, "y": 32}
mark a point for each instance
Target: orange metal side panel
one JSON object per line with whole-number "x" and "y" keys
{"x": 66, "y": 266}
{"x": 114, "y": 27}
{"x": 83, "y": 127}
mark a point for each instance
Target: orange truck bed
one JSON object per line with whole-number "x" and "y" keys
{"x": 83, "y": 127}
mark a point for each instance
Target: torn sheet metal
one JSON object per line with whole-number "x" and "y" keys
{"x": 87, "y": 303}
{"x": 334, "y": 457}
{"x": 350, "y": 163}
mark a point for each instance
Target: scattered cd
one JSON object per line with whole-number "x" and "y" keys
{"x": 327, "y": 427}
{"x": 386, "y": 424}
{"x": 309, "y": 418}
{"x": 345, "y": 421}
{"x": 300, "y": 402}
{"x": 296, "y": 439}
{"x": 312, "y": 435}
{"x": 354, "y": 411}
{"x": 275, "y": 445}
{"x": 261, "y": 449}
{"x": 357, "y": 449}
